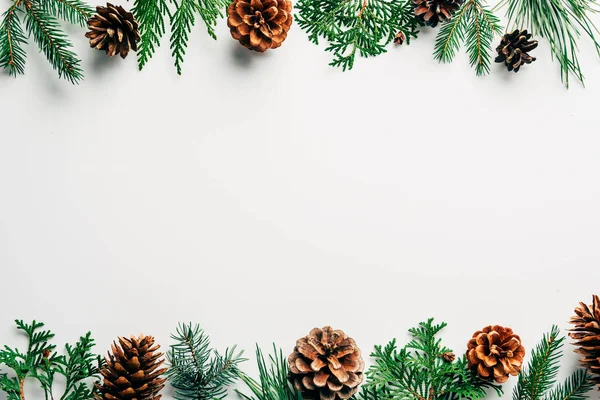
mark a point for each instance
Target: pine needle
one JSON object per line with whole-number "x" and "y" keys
{"x": 12, "y": 42}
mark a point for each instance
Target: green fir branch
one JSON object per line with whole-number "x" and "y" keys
{"x": 561, "y": 22}
{"x": 150, "y": 15}
{"x": 356, "y": 27}
{"x": 419, "y": 371}
{"x": 474, "y": 25}
{"x": 182, "y": 22}
{"x": 272, "y": 383}
{"x": 12, "y": 42}
{"x": 53, "y": 42}
{"x": 574, "y": 388}
{"x": 198, "y": 372}
{"x": 73, "y": 11}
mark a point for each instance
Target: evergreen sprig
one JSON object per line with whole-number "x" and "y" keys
{"x": 41, "y": 19}
{"x": 272, "y": 383}
{"x": 536, "y": 380}
{"x": 475, "y": 25}
{"x": 561, "y": 22}
{"x": 152, "y": 15}
{"x": 363, "y": 27}
{"x": 196, "y": 371}
{"x": 420, "y": 371}
{"x": 43, "y": 363}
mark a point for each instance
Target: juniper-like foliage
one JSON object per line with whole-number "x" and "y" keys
{"x": 196, "y": 371}
{"x": 272, "y": 383}
{"x": 43, "y": 363}
{"x": 351, "y": 27}
{"x": 475, "y": 25}
{"x": 561, "y": 22}
{"x": 41, "y": 21}
{"x": 538, "y": 378}
{"x": 420, "y": 371}
{"x": 181, "y": 15}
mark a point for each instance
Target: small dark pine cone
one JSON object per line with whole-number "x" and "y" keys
{"x": 449, "y": 356}
{"x": 432, "y": 12}
{"x": 514, "y": 49}
{"x": 400, "y": 38}
{"x": 586, "y": 333}
{"x": 114, "y": 30}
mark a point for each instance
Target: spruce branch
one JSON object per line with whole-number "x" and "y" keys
{"x": 538, "y": 378}
{"x": 356, "y": 27}
{"x": 43, "y": 363}
{"x": 561, "y": 22}
{"x": 272, "y": 383}
{"x": 75, "y": 12}
{"x": 12, "y": 42}
{"x": 196, "y": 371}
{"x": 474, "y": 25}
{"x": 419, "y": 370}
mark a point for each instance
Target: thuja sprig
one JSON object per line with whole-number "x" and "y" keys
{"x": 181, "y": 15}
{"x": 41, "y": 20}
{"x": 561, "y": 22}
{"x": 423, "y": 369}
{"x": 536, "y": 381}
{"x": 272, "y": 382}
{"x": 475, "y": 25}
{"x": 363, "y": 27}
{"x": 196, "y": 371}
{"x": 41, "y": 362}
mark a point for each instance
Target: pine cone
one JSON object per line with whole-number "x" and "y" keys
{"x": 495, "y": 353}
{"x": 326, "y": 365}
{"x": 514, "y": 48}
{"x": 400, "y": 38}
{"x": 587, "y": 336}
{"x": 131, "y": 371}
{"x": 114, "y": 30}
{"x": 431, "y": 12}
{"x": 260, "y": 24}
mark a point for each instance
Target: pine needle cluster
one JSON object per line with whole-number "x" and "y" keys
{"x": 272, "y": 383}
{"x": 198, "y": 372}
{"x": 475, "y": 25}
{"x": 561, "y": 22}
{"x": 351, "y": 27}
{"x": 41, "y": 362}
{"x": 181, "y": 15}
{"x": 422, "y": 370}
{"x": 537, "y": 380}
{"x": 40, "y": 20}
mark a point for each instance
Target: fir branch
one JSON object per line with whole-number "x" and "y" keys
{"x": 53, "y": 42}
{"x": 475, "y": 25}
{"x": 540, "y": 374}
{"x": 356, "y": 27}
{"x": 574, "y": 388}
{"x": 273, "y": 383}
{"x": 419, "y": 371}
{"x": 196, "y": 371}
{"x": 12, "y": 42}
{"x": 73, "y": 11}
{"x": 182, "y": 22}
{"x": 560, "y": 22}
{"x": 150, "y": 15}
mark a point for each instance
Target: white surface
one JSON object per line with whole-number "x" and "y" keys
{"x": 262, "y": 196}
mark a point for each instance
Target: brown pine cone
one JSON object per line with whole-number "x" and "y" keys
{"x": 131, "y": 371}
{"x": 432, "y": 12}
{"x": 495, "y": 353}
{"x": 514, "y": 48}
{"x": 260, "y": 24}
{"x": 326, "y": 365}
{"x": 114, "y": 30}
{"x": 587, "y": 336}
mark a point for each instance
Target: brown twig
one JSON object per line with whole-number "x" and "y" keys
{"x": 362, "y": 9}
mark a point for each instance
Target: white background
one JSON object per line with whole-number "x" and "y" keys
{"x": 263, "y": 195}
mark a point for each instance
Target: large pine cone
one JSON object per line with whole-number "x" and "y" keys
{"x": 432, "y": 12}
{"x": 131, "y": 371}
{"x": 495, "y": 353}
{"x": 514, "y": 48}
{"x": 587, "y": 336}
{"x": 260, "y": 24}
{"x": 114, "y": 30}
{"x": 326, "y": 365}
